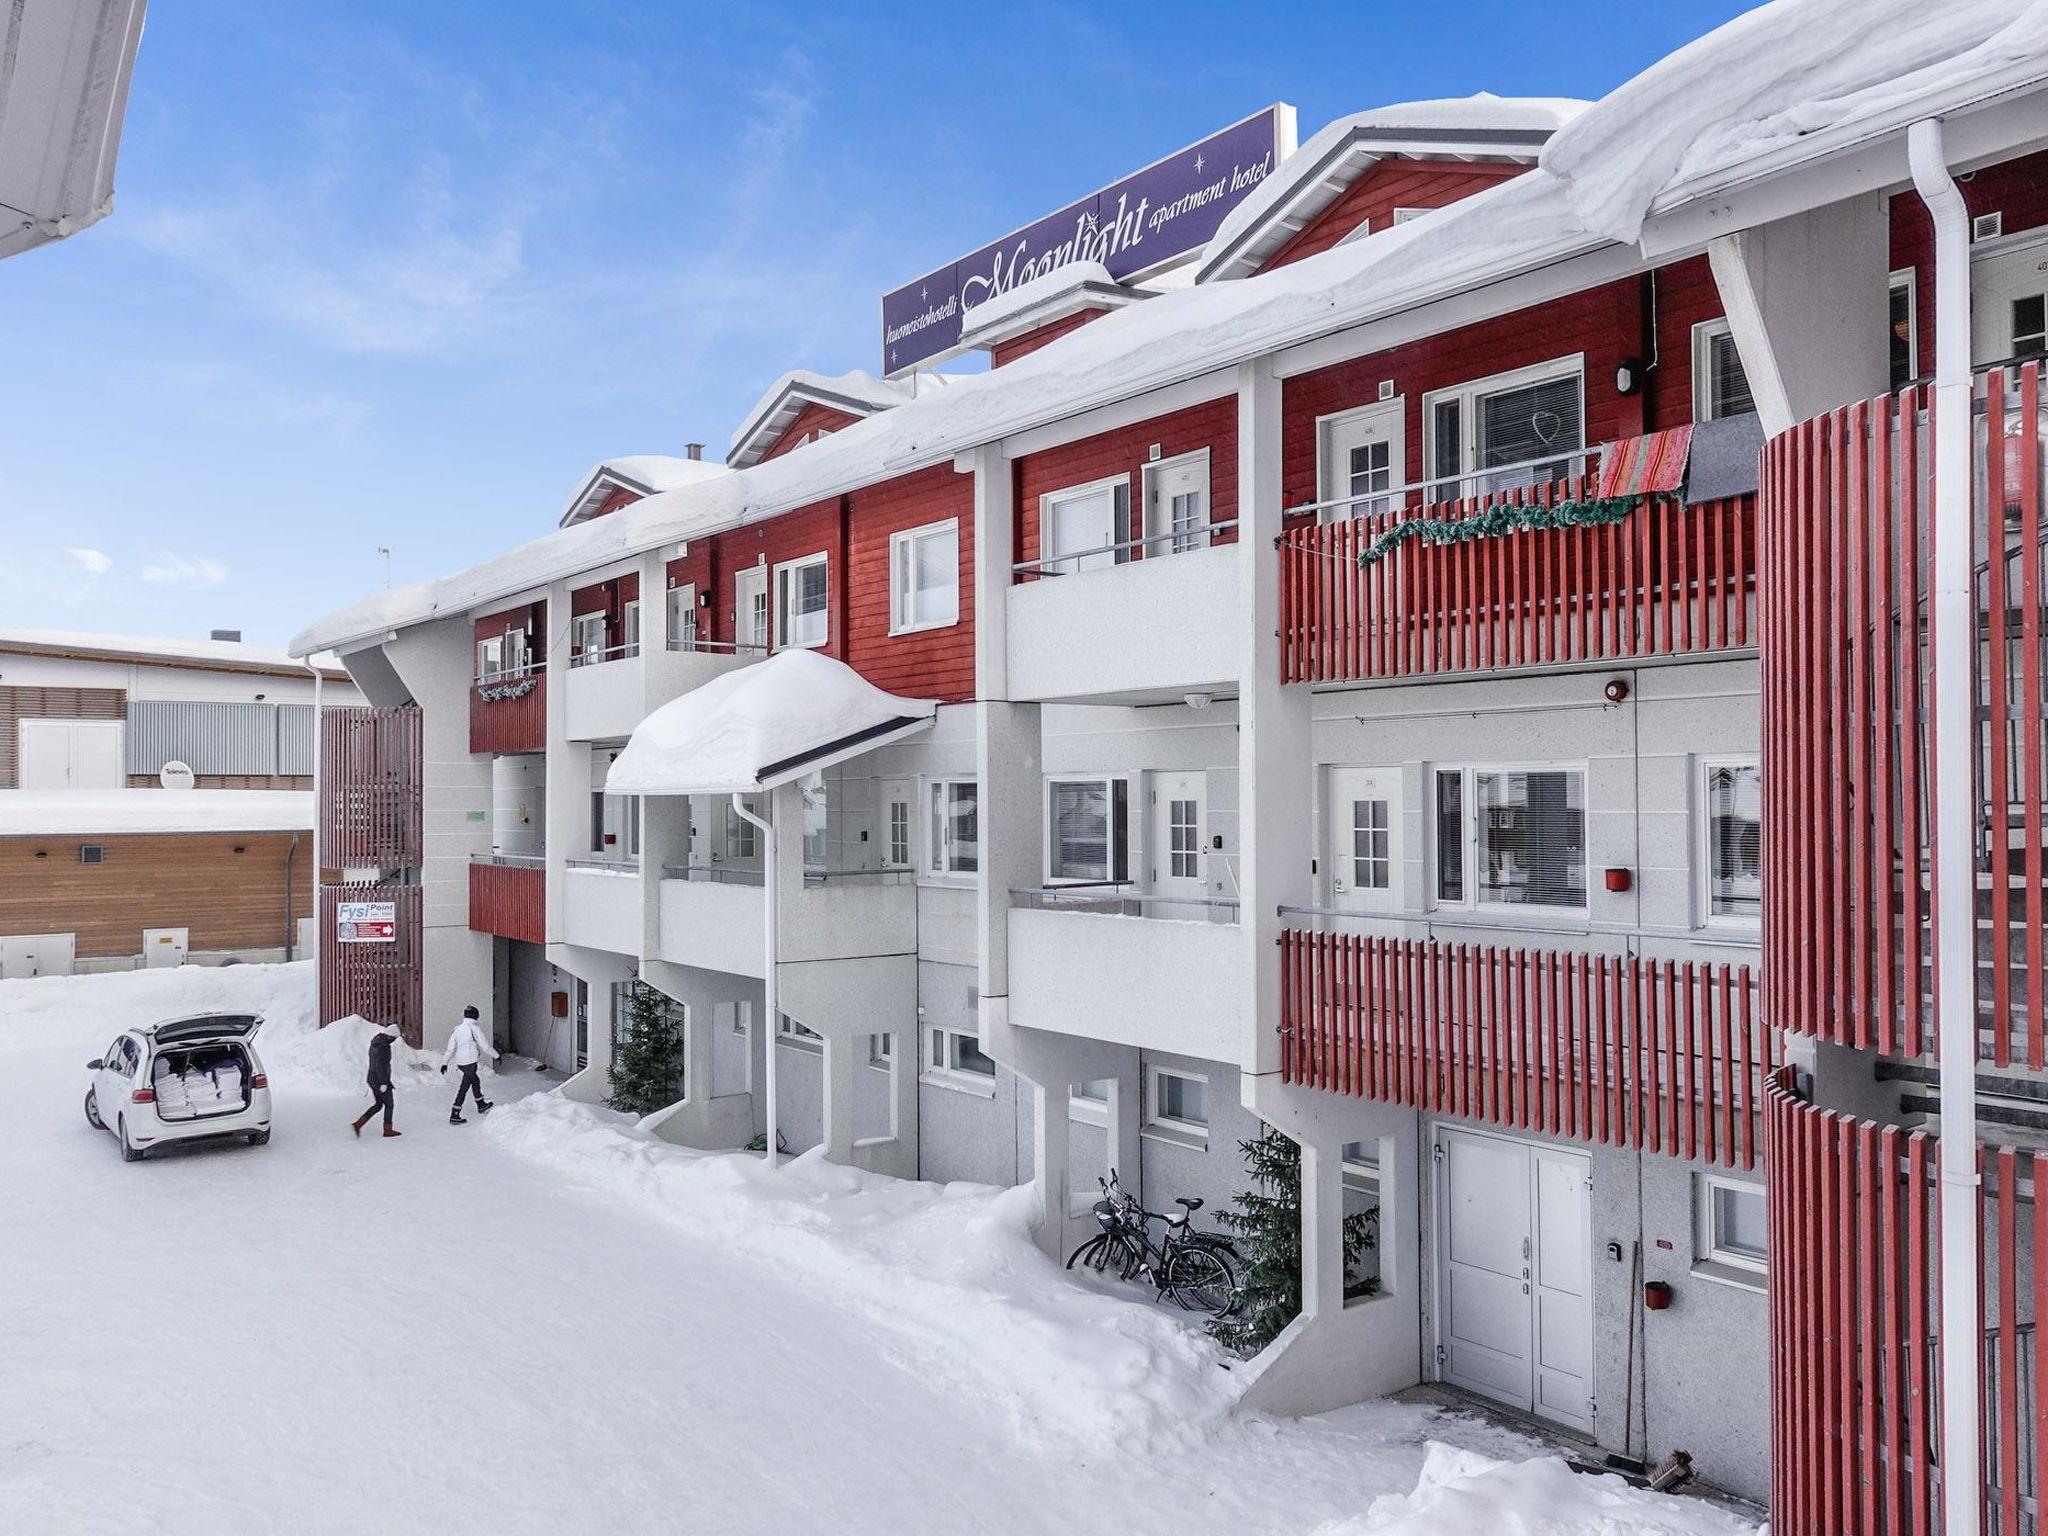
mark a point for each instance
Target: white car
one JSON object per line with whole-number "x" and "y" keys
{"x": 188, "y": 1079}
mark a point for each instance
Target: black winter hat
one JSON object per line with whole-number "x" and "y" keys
{"x": 470, "y": 1012}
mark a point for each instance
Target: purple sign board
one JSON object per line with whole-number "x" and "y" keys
{"x": 1133, "y": 228}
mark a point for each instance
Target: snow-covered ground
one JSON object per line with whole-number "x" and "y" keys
{"x": 549, "y": 1322}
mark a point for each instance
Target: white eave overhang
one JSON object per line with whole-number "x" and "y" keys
{"x": 1077, "y": 298}
{"x": 779, "y": 411}
{"x": 62, "y": 102}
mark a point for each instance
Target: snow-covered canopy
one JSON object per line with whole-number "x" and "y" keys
{"x": 1784, "y": 84}
{"x": 644, "y": 474}
{"x": 1481, "y": 127}
{"x": 106, "y": 812}
{"x": 1045, "y": 298}
{"x": 238, "y": 655}
{"x": 760, "y": 726}
{"x": 858, "y": 393}
{"x": 68, "y": 67}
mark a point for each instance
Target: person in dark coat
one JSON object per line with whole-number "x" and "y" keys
{"x": 381, "y": 1095}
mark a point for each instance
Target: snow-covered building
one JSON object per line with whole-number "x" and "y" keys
{"x": 1339, "y": 691}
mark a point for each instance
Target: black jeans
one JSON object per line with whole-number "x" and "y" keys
{"x": 380, "y": 1094}
{"x": 469, "y": 1085}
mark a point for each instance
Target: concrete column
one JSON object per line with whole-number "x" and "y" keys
{"x": 568, "y": 770}
{"x": 845, "y": 1055}
{"x": 1052, "y": 1177}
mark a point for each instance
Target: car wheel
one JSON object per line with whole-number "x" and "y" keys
{"x": 128, "y": 1154}
{"x": 92, "y": 1110}
{"x": 259, "y": 1138}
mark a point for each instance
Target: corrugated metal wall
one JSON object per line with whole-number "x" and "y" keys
{"x": 220, "y": 738}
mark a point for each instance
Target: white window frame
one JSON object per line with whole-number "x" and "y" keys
{"x": 1469, "y": 819}
{"x": 743, "y": 632}
{"x": 1157, "y": 1122}
{"x": 1119, "y": 828}
{"x": 909, "y": 833}
{"x": 1704, "y": 915}
{"x": 742, "y": 837}
{"x": 941, "y": 1061}
{"x": 1163, "y": 540}
{"x": 1049, "y": 499}
{"x": 797, "y": 1036}
{"x": 1085, "y": 1109}
{"x": 1704, "y": 334}
{"x": 1907, "y": 278}
{"x": 1711, "y": 1261}
{"x": 1468, "y": 396}
{"x": 781, "y": 578}
{"x": 682, "y": 600}
{"x": 903, "y": 564}
{"x": 581, "y": 652}
{"x": 1403, "y": 215}
{"x": 629, "y": 627}
{"x": 882, "y": 1051}
{"x": 490, "y": 658}
{"x": 938, "y": 866}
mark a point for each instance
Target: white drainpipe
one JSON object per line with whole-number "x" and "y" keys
{"x": 770, "y": 881}
{"x": 1955, "y": 887}
{"x": 318, "y": 679}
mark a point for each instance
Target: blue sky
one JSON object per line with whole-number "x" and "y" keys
{"x": 398, "y": 274}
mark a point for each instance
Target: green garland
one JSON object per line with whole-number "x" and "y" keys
{"x": 1496, "y": 521}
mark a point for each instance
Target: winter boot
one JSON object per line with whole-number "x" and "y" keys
{"x": 483, "y": 1106}
{"x": 455, "y": 1117}
{"x": 388, "y": 1131}
{"x": 360, "y": 1121}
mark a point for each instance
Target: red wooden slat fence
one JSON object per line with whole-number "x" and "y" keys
{"x": 1847, "y": 700}
{"x": 1668, "y": 1056}
{"x": 509, "y": 900}
{"x": 382, "y": 982}
{"x": 1666, "y": 580}
{"x": 1855, "y": 1326}
{"x": 517, "y": 722}
{"x": 370, "y": 788}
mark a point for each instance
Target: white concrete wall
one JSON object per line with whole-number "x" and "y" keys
{"x": 1154, "y": 983}
{"x": 604, "y": 701}
{"x": 1163, "y": 625}
{"x": 601, "y": 909}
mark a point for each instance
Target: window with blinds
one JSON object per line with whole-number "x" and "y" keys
{"x": 1089, "y": 830}
{"x": 1511, "y": 837}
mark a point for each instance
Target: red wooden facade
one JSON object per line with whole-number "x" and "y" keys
{"x": 813, "y": 421}
{"x": 509, "y": 900}
{"x": 370, "y": 788}
{"x": 608, "y": 598}
{"x": 381, "y": 982}
{"x": 1847, "y": 697}
{"x": 1666, "y": 1056}
{"x": 1023, "y": 346}
{"x": 2017, "y": 191}
{"x": 1667, "y": 580}
{"x": 1370, "y": 201}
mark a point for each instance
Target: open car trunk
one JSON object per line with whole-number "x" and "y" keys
{"x": 194, "y": 1082}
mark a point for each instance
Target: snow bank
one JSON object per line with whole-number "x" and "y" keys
{"x": 295, "y": 1051}
{"x": 1463, "y": 1493}
{"x": 949, "y": 1272}
{"x": 1791, "y": 71}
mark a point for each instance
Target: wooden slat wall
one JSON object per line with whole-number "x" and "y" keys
{"x": 18, "y": 704}
{"x": 509, "y": 900}
{"x": 381, "y": 982}
{"x": 190, "y": 880}
{"x": 370, "y": 792}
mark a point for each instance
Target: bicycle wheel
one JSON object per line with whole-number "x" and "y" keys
{"x": 1201, "y": 1280}
{"x": 1094, "y": 1253}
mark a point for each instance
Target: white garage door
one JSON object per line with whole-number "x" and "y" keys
{"x": 71, "y": 754}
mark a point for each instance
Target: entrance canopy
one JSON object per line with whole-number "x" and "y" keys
{"x": 762, "y": 725}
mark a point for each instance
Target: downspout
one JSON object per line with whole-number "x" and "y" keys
{"x": 1953, "y": 637}
{"x": 770, "y": 880}
{"x": 318, "y": 679}
{"x": 291, "y": 854}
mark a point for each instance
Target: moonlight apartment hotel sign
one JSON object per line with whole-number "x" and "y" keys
{"x": 1142, "y": 223}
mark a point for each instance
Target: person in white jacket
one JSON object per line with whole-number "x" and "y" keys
{"x": 467, "y": 1045}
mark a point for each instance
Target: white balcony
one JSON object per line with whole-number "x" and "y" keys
{"x": 713, "y": 924}
{"x": 712, "y": 919}
{"x": 604, "y": 694}
{"x": 1149, "y": 629}
{"x": 1157, "y": 983}
{"x": 601, "y": 905}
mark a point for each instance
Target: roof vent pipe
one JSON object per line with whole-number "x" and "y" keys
{"x": 695, "y": 451}
{"x": 1955, "y": 885}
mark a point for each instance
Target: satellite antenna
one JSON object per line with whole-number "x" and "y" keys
{"x": 175, "y": 775}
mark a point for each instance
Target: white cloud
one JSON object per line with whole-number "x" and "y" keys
{"x": 184, "y": 571}
{"x": 92, "y": 561}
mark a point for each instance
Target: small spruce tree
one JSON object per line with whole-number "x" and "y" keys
{"x": 1267, "y": 1227}
{"x": 647, "y": 1068}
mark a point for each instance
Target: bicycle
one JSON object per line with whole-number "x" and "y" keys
{"x": 1194, "y": 1268}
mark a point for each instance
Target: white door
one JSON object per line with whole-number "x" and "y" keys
{"x": 71, "y": 754}
{"x": 682, "y": 617}
{"x": 37, "y": 954}
{"x": 750, "y": 607}
{"x": 1361, "y": 460}
{"x": 1515, "y": 1296}
{"x": 2009, "y": 304}
{"x": 1177, "y": 505}
{"x": 898, "y": 811}
{"x": 165, "y": 946}
{"x": 1365, "y": 843}
{"x": 1180, "y": 866}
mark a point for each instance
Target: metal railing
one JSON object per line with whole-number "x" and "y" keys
{"x": 613, "y": 866}
{"x": 716, "y": 647}
{"x": 713, "y": 874}
{"x": 511, "y": 860}
{"x": 1178, "y": 541}
{"x": 1566, "y": 464}
{"x": 1120, "y": 898}
{"x": 597, "y": 655}
{"x": 900, "y": 875}
{"x": 510, "y": 674}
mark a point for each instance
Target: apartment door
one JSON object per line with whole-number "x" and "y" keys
{"x": 1179, "y": 825}
{"x": 898, "y": 811}
{"x": 750, "y": 607}
{"x": 1177, "y": 504}
{"x": 1361, "y": 460}
{"x": 71, "y": 754}
{"x": 1365, "y": 839}
{"x": 2009, "y": 304}
{"x": 1514, "y": 1262}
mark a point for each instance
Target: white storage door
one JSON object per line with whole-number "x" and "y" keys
{"x": 37, "y": 954}
{"x": 71, "y": 754}
{"x": 165, "y": 946}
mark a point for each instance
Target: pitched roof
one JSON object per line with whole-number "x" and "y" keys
{"x": 207, "y": 655}
{"x": 644, "y": 474}
{"x": 858, "y": 393}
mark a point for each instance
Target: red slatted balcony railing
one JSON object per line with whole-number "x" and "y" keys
{"x": 509, "y": 712}
{"x": 370, "y": 788}
{"x": 1665, "y": 580}
{"x": 508, "y": 897}
{"x": 1848, "y": 698}
{"x": 1667, "y": 1056}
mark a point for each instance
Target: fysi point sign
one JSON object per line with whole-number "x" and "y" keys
{"x": 1133, "y": 227}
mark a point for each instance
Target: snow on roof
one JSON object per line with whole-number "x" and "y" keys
{"x": 105, "y": 812}
{"x": 759, "y": 726}
{"x": 1785, "y": 83}
{"x": 1307, "y": 181}
{"x": 213, "y": 653}
{"x": 857, "y": 392}
{"x": 1045, "y": 298}
{"x": 1513, "y": 227}
{"x": 646, "y": 474}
